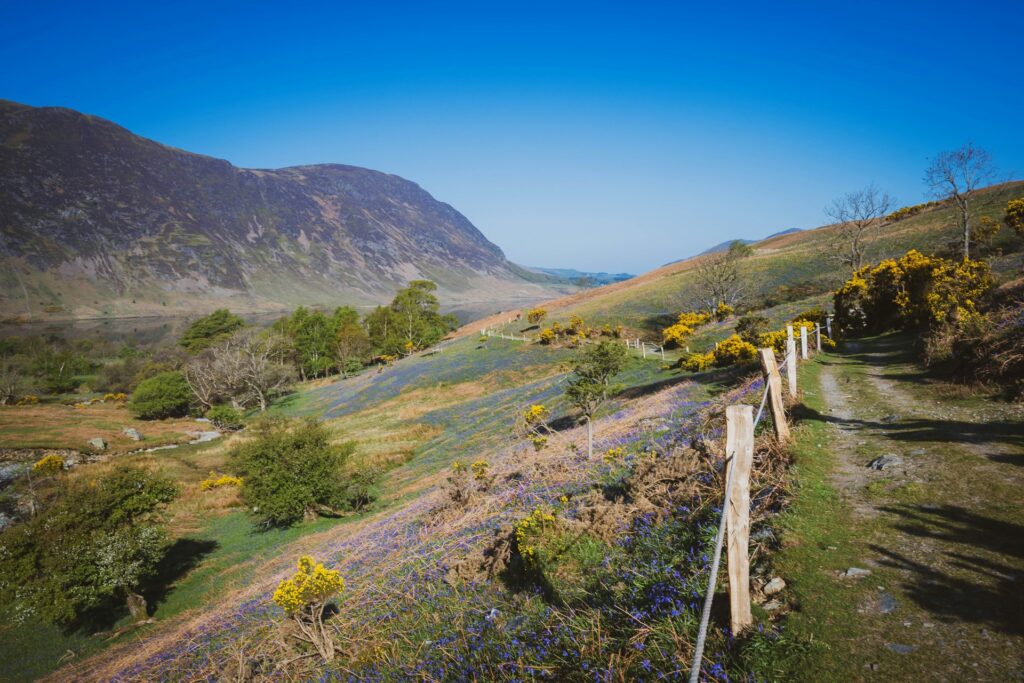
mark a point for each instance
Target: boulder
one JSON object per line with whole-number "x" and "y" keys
{"x": 98, "y": 443}
{"x": 884, "y": 462}
{"x": 855, "y": 573}
{"x": 774, "y": 586}
{"x": 132, "y": 433}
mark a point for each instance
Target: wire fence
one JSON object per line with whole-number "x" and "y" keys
{"x": 705, "y": 617}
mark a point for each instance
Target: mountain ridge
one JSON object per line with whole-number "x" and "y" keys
{"x": 100, "y": 221}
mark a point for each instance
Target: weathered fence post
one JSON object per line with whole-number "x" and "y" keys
{"x": 828, "y": 326}
{"x": 643, "y": 347}
{"x": 817, "y": 337}
{"x": 662, "y": 352}
{"x": 773, "y": 384}
{"x": 791, "y": 366}
{"x": 739, "y": 448}
{"x": 803, "y": 343}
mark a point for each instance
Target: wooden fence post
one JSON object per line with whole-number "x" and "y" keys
{"x": 739, "y": 447}
{"x": 817, "y": 337}
{"x": 828, "y": 326}
{"x": 803, "y": 343}
{"x": 773, "y": 384}
{"x": 644, "y": 347}
{"x": 791, "y": 366}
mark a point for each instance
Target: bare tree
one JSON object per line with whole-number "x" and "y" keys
{"x": 247, "y": 369}
{"x": 955, "y": 175}
{"x": 10, "y": 382}
{"x": 719, "y": 276}
{"x": 858, "y": 216}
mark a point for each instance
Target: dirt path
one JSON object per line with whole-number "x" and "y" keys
{"x": 939, "y": 523}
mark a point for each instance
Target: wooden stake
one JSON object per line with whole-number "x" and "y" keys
{"x": 803, "y": 343}
{"x": 828, "y": 326}
{"x": 817, "y": 337}
{"x": 644, "y": 347}
{"x": 791, "y": 366}
{"x": 739, "y": 447}
{"x": 773, "y": 380}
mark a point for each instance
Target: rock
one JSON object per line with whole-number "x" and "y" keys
{"x": 98, "y": 443}
{"x": 886, "y": 603}
{"x": 771, "y": 606}
{"x": 132, "y": 433}
{"x": 873, "y": 666}
{"x": 774, "y": 586}
{"x": 884, "y": 462}
{"x": 900, "y": 649}
{"x": 202, "y": 419}
{"x": 855, "y": 573}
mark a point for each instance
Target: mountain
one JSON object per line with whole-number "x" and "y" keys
{"x": 582, "y": 278}
{"x": 95, "y": 220}
{"x": 722, "y": 246}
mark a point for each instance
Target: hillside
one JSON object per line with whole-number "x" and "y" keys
{"x": 98, "y": 221}
{"x": 432, "y": 590}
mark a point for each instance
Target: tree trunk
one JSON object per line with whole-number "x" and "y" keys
{"x": 137, "y": 606}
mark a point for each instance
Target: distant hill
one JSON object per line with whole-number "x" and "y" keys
{"x": 581, "y": 278}
{"x": 725, "y": 245}
{"x": 95, "y": 220}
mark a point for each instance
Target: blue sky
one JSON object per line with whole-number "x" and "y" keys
{"x": 600, "y": 136}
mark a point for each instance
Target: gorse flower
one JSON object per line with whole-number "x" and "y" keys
{"x": 479, "y": 470}
{"x": 215, "y": 481}
{"x": 49, "y": 464}
{"x": 311, "y": 586}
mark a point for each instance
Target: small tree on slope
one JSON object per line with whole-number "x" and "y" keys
{"x": 590, "y": 384}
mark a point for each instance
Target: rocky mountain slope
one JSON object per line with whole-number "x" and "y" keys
{"x": 95, "y": 220}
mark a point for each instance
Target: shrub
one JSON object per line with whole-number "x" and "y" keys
{"x": 225, "y": 417}
{"x": 547, "y": 336}
{"x": 48, "y": 465}
{"x": 685, "y": 325}
{"x": 732, "y": 351}
{"x": 912, "y": 292}
{"x": 576, "y": 324}
{"x": 723, "y": 311}
{"x": 93, "y": 548}
{"x": 535, "y": 315}
{"x": 161, "y": 396}
{"x": 216, "y": 481}
{"x": 291, "y": 470}
{"x": 697, "y": 362}
{"x": 750, "y": 327}
{"x": 1014, "y": 218}
{"x": 304, "y": 598}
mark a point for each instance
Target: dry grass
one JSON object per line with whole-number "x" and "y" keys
{"x": 68, "y": 427}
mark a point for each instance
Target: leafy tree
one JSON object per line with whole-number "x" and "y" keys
{"x": 351, "y": 346}
{"x": 208, "y": 330}
{"x": 413, "y": 320}
{"x": 161, "y": 396}
{"x": 291, "y": 470}
{"x": 956, "y": 175}
{"x": 592, "y": 371}
{"x": 95, "y": 546}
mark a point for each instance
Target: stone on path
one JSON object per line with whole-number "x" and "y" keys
{"x": 885, "y": 461}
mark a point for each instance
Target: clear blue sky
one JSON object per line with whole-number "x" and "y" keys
{"x": 593, "y": 135}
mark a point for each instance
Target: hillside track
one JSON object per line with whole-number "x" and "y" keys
{"x": 940, "y": 528}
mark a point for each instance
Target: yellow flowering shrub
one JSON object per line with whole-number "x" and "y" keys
{"x": 535, "y": 315}
{"x": 48, "y": 465}
{"x": 312, "y": 585}
{"x": 1014, "y": 218}
{"x": 614, "y": 455}
{"x": 675, "y": 335}
{"x": 28, "y": 400}
{"x": 216, "y": 481}
{"x": 733, "y": 350}
{"x": 527, "y": 532}
{"x": 697, "y": 362}
{"x": 539, "y": 442}
{"x": 547, "y": 336}
{"x": 479, "y": 470}
{"x": 723, "y": 311}
{"x": 911, "y": 292}
{"x": 535, "y": 414}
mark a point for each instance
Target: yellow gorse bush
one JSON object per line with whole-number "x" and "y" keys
{"x": 535, "y": 315}
{"x": 535, "y": 414}
{"x": 216, "y": 481}
{"x": 28, "y": 400}
{"x": 733, "y": 350}
{"x": 911, "y": 292}
{"x": 614, "y": 455}
{"x": 684, "y": 327}
{"x": 118, "y": 397}
{"x": 312, "y": 585}
{"x": 697, "y": 362}
{"x": 723, "y": 311}
{"x": 527, "y": 530}
{"x": 49, "y": 464}
{"x": 479, "y": 469}
{"x": 1014, "y": 218}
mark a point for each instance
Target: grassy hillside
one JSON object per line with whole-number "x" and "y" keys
{"x": 430, "y": 594}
